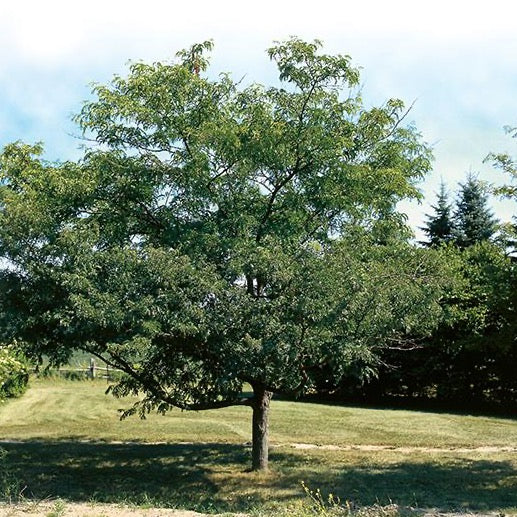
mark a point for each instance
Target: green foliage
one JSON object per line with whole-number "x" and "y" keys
{"x": 58, "y": 510}
{"x": 14, "y": 372}
{"x": 439, "y": 227}
{"x": 469, "y": 359}
{"x": 508, "y": 164}
{"x": 474, "y": 221}
{"x": 316, "y": 504}
{"x": 221, "y": 234}
{"x": 471, "y": 222}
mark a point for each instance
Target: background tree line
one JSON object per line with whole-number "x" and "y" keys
{"x": 469, "y": 360}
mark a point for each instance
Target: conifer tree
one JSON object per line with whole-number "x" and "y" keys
{"x": 474, "y": 221}
{"x": 439, "y": 226}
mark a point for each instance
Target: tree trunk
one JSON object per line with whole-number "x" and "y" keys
{"x": 260, "y": 429}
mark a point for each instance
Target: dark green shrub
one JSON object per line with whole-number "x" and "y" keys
{"x": 15, "y": 385}
{"x": 14, "y": 373}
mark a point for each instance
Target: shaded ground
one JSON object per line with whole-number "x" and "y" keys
{"x": 212, "y": 477}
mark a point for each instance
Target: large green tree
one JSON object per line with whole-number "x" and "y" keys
{"x": 218, "y": 234}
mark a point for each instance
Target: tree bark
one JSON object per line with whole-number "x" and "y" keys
{"x": 260, "y": 429}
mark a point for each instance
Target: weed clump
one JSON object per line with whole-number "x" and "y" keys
{"x": 316, "y": 505}
{"x": 11, "y": 488}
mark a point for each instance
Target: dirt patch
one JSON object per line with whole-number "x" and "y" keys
{"x": 328, "y": 447}
{"x": 65, "y": 509}
{"x": 373, "y": 448}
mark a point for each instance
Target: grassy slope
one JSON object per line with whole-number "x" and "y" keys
{"x": 62, "y": 409}
{"x": 209, "y": 471}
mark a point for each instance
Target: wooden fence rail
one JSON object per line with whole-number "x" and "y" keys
{"x": 93, "y": 371}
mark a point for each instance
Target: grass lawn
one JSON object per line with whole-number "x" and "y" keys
{"x": 61, "y": 441}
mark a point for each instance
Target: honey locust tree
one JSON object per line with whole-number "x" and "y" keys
{"x": 507, "y": 163}
{"x": 216, "y": 234}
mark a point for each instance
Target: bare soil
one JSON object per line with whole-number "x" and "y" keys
{"x": 487, "y": 449}
{"x": 62, "y": 509}
{"x": 65, "y": 509}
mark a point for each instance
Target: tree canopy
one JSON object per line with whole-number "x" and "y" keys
{"x": 216, "y": 234}
{"x": 508, "y": 164}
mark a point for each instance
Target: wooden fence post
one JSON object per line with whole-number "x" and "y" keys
{"x": 92, "y": 368}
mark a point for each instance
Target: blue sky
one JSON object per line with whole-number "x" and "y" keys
{"x": 456, "y": 59}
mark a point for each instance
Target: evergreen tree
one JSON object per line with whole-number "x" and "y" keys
{"x": 439, "y": 227}
{"x": 474, "y": 221}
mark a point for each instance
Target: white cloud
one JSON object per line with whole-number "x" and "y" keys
{"x": 456, "y": 58}
{"x": 57, "y": 29}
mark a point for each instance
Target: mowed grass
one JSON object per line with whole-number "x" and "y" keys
{"x": 64, "y": 439}
{"x": 60, "y": 409}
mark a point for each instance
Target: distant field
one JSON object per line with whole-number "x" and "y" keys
{"x": 64, "y": 439}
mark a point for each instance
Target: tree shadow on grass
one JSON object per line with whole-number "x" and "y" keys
{"x": 213, "y": 477}
{"x": 160, "y": 475}
{"x": 454, "y": 482}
